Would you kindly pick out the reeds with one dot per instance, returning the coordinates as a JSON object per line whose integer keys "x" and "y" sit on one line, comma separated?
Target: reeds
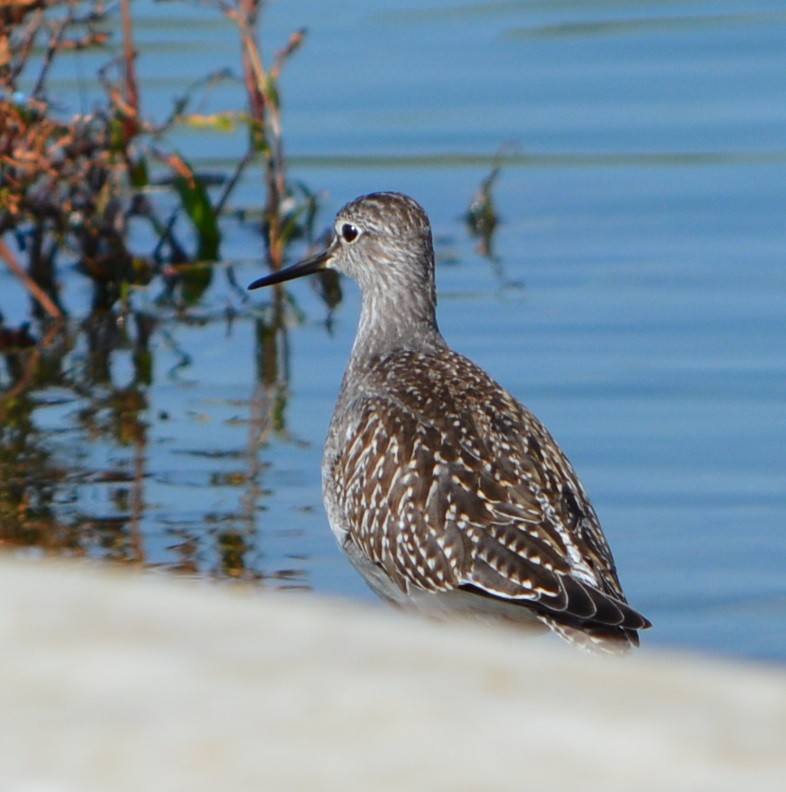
{"x": 69, "y": 186}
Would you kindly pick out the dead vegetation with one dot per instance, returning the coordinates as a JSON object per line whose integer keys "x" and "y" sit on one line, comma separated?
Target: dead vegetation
{"x": 70, "y": 184}
{"x": 73, "y": 181}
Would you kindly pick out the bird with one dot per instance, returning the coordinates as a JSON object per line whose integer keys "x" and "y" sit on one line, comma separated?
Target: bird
{"x": 444, "y": 491}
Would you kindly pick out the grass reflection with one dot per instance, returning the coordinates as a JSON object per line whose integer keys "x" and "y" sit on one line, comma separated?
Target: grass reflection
{"x": 84, "y": 449}
{"x": 81, "y": 449}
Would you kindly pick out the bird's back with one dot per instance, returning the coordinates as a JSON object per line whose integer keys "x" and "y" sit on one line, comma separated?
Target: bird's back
{"x": 437, "y": 481}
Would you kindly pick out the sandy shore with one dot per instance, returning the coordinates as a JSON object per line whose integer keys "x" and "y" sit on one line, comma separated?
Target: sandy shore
{"x": 111, "y": 680}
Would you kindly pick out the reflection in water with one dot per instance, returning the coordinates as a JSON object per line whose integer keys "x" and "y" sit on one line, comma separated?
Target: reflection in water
{"x": 657, "y": 23}
{"x": 481, "y": 217}
{"x": 482, "y": 220}
{"x": 81, "y": 452}
{"x": 82, "y": 459}
{"x": 45, "y": 468}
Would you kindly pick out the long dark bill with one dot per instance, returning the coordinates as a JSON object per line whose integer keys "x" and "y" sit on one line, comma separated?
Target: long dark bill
{"x": 305, "y": 267}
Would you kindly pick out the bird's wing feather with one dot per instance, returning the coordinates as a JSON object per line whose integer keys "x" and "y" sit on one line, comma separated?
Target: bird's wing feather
{"x": 477, "y": 496}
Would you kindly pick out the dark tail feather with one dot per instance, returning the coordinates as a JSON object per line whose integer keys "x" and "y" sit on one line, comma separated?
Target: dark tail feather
{"x": 596, "y": 639}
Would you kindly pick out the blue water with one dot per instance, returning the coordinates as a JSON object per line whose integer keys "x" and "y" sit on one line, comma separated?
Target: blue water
{"x": 636, "y": 302}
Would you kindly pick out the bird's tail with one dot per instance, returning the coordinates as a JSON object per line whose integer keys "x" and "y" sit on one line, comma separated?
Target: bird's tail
{"x": 598, "y": 639}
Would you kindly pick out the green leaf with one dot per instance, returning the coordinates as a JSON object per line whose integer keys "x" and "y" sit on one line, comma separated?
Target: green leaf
{"x": 196, "y": 202}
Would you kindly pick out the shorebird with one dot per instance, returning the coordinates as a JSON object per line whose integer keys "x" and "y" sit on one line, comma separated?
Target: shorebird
{"x": 446, "y": 493}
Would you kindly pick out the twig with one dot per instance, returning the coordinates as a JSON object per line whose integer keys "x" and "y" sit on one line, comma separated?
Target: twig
{"x": 53, "y": 47}
{"x": 131, "y": 124}
{"x": 26, "y": 40}
{"x": 23, "y": 383}
{"x": 230, "y": 185}
{"x": 44, "y": 300}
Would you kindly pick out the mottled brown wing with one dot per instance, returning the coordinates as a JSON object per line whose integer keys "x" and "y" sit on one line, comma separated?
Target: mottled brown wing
{"x": 442, "y": 488}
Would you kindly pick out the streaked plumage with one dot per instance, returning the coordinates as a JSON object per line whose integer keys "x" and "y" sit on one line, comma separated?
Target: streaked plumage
{"x": 444, "y": 491}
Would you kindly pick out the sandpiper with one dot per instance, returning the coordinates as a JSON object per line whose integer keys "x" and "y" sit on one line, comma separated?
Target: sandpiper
{"x": 445, "y": 492}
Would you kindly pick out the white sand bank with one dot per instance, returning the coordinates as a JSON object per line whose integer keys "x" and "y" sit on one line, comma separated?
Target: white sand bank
{"x": 116, "y": 681}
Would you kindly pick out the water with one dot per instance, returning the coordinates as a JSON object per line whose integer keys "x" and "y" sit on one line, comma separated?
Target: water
{"x": 636, "y": 300}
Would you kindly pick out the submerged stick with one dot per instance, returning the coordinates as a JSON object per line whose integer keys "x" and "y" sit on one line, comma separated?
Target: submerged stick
{"x": 44, "y": 300}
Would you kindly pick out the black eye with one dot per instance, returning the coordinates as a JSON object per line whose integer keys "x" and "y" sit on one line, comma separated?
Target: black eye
{"x": 349, "y": 232}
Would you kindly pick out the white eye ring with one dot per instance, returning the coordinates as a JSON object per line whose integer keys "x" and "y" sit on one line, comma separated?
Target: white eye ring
{"x": 348, "y": 232}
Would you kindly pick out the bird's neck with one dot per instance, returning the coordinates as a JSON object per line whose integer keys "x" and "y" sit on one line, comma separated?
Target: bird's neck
{"x": 389, "y": 322}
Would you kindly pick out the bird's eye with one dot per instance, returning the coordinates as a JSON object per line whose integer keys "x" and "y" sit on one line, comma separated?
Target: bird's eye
{"x": 349, "y": 233}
